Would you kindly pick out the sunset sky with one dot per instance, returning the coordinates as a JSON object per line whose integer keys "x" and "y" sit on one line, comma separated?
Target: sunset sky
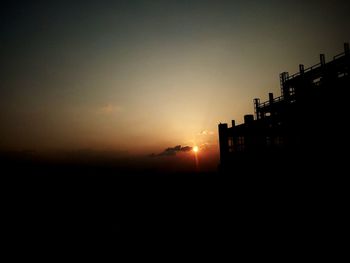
{"x": 142, "y": 76}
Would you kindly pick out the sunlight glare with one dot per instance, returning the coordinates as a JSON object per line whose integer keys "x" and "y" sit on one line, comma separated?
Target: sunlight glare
{"x": 195, "y": 149}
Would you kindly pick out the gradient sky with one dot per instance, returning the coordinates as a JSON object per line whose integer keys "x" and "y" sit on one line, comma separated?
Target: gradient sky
{"x": 140, "y": 76}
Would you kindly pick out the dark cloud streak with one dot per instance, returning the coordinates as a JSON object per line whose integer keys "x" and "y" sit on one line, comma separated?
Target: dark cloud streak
{"x": 171, "y": 151}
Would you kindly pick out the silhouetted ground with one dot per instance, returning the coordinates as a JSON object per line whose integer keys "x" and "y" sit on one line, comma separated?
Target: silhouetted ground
{"x": 245, "y": 206}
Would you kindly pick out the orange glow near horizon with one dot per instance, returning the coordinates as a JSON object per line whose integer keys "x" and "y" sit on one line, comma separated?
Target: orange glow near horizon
{"x": 195, "y": 149}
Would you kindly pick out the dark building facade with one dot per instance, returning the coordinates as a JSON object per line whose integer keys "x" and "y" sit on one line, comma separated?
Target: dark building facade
{"x": 309, "y": 120}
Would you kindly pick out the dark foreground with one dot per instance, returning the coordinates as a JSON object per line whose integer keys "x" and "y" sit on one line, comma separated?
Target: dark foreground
{"x": 243, "y": 206}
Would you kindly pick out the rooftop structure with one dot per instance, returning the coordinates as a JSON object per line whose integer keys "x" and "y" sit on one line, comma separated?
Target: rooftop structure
{"x": 308, "y": 118}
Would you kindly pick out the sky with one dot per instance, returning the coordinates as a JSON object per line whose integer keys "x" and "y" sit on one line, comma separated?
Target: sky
{"x": 142, "y": 76}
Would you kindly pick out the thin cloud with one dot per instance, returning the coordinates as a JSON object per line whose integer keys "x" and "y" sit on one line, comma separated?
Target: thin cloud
{"x": 206, "y": 132}
{"x": 205, "y": 146}
{"x": 109, "y": 109}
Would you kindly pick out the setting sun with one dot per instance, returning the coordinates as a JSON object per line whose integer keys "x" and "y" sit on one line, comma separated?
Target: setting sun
{"x": 195, "y": 149}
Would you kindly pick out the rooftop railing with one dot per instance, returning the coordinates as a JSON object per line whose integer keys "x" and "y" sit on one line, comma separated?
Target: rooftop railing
{"x": 267, "y": 103}
{"x": 318, "y": 65}
{"x": 313, "y": 67}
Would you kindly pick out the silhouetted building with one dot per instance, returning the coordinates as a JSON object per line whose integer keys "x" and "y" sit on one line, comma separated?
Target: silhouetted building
{"x": 309, "y": 119}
